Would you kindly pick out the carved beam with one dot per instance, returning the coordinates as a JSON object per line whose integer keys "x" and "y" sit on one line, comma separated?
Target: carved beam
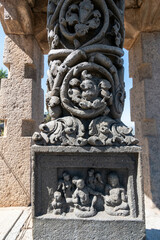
{"x": 141, "y": 19}
{"x": 16, "y": 17}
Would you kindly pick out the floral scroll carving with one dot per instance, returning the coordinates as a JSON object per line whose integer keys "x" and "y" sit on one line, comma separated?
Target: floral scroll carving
{"x": 81, "y": 18}
{"x": 85, "y": 85}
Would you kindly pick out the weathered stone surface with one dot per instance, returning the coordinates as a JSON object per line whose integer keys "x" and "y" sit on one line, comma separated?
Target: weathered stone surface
{"x": 48, "y": 165}
{"x": 144, "y": 18}
{"x": 31, "y": 3}
{"x": 85, "y": 85}
{"x": 51, "y": 229}
{"x": 16, "y": 17}
{"x": 40, "y": 6}
{"x": 139, "y": 16}
{"x": 74, "y": 186}
{"x": 145, "y": 110}
{"x": 133, "y": 3}
{"x": 21, "y": 96}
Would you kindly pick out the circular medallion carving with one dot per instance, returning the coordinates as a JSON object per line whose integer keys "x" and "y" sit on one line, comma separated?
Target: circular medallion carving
{"x": 83, "y": 22}
{"x": 86, "y": 90}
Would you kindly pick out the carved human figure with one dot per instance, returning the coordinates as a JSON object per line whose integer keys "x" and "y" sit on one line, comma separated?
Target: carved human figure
{"x": 84, "y": 199}
{"x": 115, "y": 197}
{"x": 58, "y": 203}
{"x": 94, "y": 180}
{"x": 100, "y": 132}
{"x": 53, "y": 102}
{"x": 91, "y": 179}
{"x": 52, "y": 73}
{"x": 65, "y": 184}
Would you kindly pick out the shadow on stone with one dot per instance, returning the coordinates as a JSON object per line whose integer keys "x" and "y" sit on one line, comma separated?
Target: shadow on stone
{"x": 152, "y": 234}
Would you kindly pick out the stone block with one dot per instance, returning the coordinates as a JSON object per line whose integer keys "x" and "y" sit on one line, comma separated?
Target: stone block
{"x": 50, "y": 164}
{"x": 149, "y": 127}
{"x": 145, "y": 71}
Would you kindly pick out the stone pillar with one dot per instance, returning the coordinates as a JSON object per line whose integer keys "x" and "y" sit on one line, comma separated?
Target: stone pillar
{"x": 21, "y": 107}
{"x": 86, "y": 167}
{"x": 144, "y": 61}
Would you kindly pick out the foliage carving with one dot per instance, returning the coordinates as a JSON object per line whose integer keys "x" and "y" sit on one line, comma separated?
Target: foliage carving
{"x": 85, "y": 77}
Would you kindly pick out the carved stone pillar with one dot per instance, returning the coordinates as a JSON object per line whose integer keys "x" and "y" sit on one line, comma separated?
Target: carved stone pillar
{"x": 145, "y": 110}
{"x": 20, "y": 98}
{"x": 143, "y": 40}
{"x": 87, "y": 167}
{"x": 85, "y": 77}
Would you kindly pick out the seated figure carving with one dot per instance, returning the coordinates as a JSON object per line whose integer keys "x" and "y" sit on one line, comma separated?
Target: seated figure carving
{"x": 58, "y": 204}
{"x": 115, "y": 198}
{"x": 84, "y": 199}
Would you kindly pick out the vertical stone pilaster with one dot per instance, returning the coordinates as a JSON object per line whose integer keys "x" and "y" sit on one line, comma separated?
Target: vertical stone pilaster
{"x": 145, "y": 107}
{"x": 22, "y": 109}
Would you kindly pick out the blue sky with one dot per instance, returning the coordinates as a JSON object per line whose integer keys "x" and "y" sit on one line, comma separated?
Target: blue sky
{"x": 128, "y": 81}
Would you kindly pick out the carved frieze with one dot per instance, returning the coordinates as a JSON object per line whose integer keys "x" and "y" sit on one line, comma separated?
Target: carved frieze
{"x": 86, "y": 197}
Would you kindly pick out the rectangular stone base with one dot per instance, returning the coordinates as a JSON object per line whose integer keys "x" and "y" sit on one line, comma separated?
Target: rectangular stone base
{"x": 82, "y": 229}
{"x": 49, "y": 164}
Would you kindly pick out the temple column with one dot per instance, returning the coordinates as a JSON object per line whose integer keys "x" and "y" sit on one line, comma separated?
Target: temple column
{"x": 142, "y": 39}
{"x": 86, "y": 165}
{"x": 144, "y": 61}
{"x": 21, "y": 108}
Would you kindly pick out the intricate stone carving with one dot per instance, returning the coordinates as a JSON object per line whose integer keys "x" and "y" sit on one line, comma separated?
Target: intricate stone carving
{"x": 94, "y": 180}
{"x": 84, "y": 199}
{"x": 63, "y": 131}
{"x": 102, "y": 131}
{"x": 106, "y": 131}
{"x": 80, "y": 196}
{"x": 58, "y": 204}
{"x": 85, "y": 77}
{"x": 78, "y": 19}
{"x": 115, "y": 197}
